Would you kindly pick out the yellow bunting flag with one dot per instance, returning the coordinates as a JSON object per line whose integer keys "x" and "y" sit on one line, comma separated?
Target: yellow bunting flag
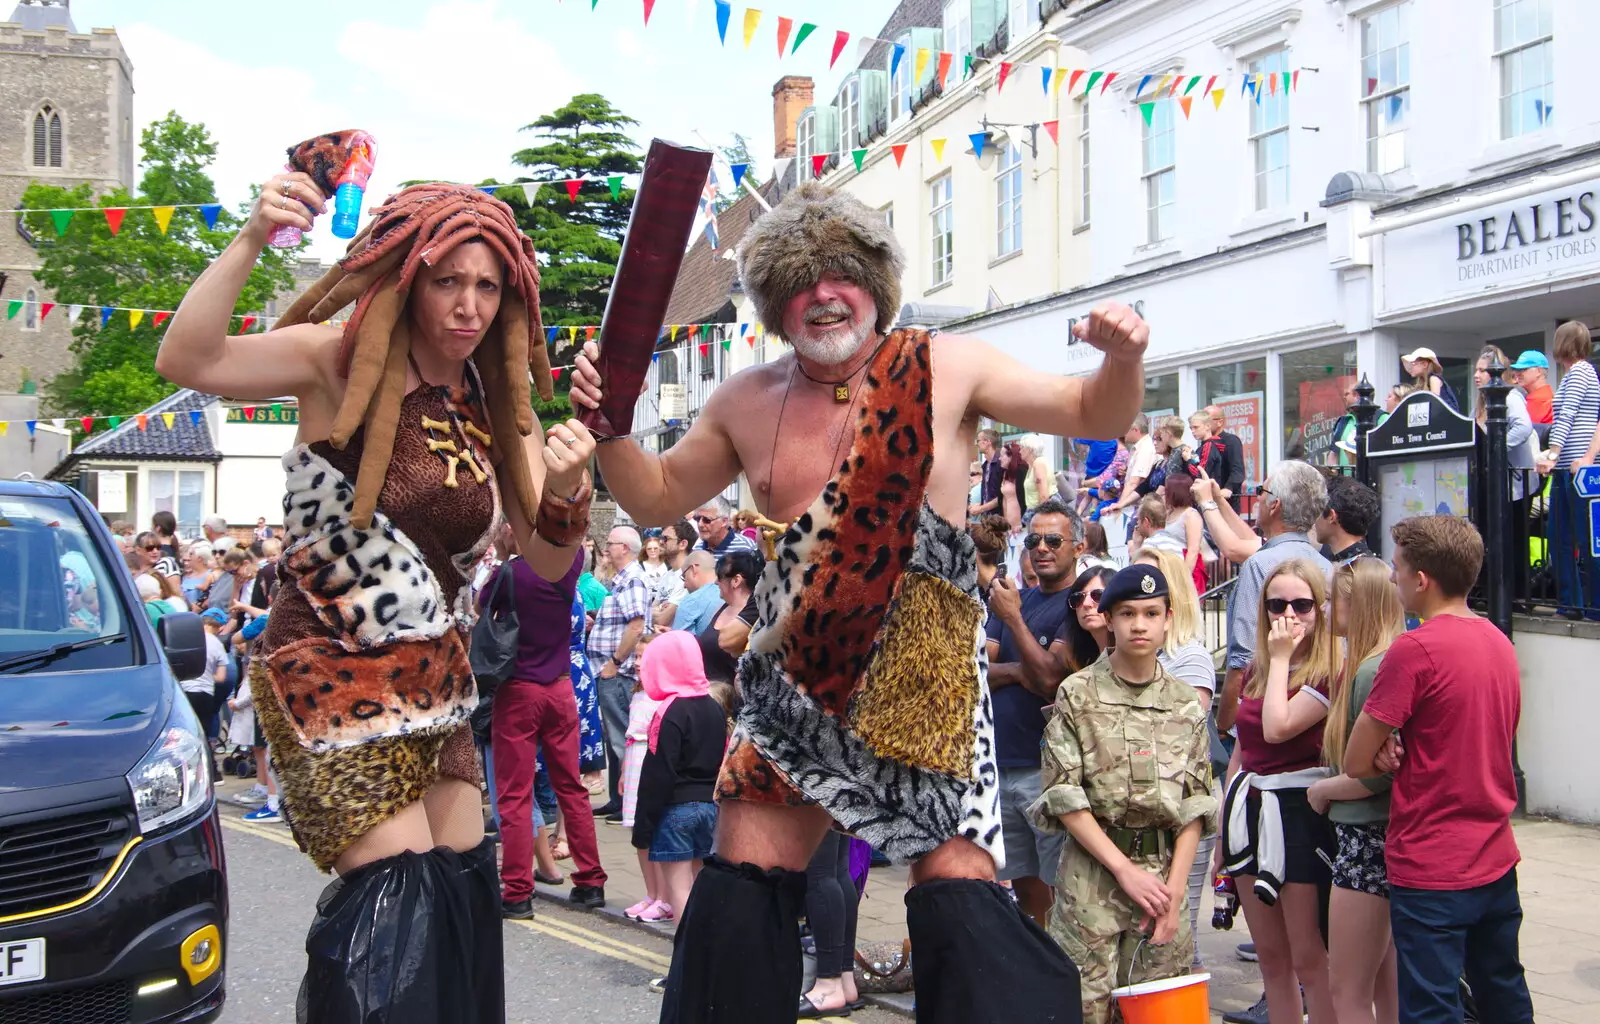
{"x": 922, "y": 63}
{"x": 163, "y": 216}
{"x": 1061, "y": 76}
{"x": 5, "y": 427}
{"x": 167, "y": 418}
{"x": 572, "y": 334}
{"x": 938, "y": 149}
{"x": 672, "y": 333}
{"x": 752, "y": 18}
{"x": 1163, "y": 83}
{"x": 134, "y": 317}
{"x": 1216, "y": 97}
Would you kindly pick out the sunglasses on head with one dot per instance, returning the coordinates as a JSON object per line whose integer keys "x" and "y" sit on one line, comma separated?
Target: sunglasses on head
{"x": 1301, "y": 605}
{"x": 1093, "y": 596}
{"x": 1052, "y": 540}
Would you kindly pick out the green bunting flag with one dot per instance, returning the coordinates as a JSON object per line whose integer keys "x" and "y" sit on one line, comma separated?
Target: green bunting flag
{"x": 805, "y": 30}
{"x": 1148, "y": 110}
{"x": 13, "y": 308}
{"x": 116, "y": 421}
{"x": 858, "y": 155}
{"x": 966, "y": 66}
{"x": 61, "y": 218}
{"x": 726, "y": 344}
{"x": 615, "y": 182}
{"x": 1094, "y": 76}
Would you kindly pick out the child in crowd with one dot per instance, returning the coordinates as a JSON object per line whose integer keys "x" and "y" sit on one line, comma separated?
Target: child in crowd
{"x": 636, "y": 744}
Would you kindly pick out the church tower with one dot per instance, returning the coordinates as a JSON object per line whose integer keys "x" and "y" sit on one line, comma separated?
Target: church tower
{"x": 66, "y": 117}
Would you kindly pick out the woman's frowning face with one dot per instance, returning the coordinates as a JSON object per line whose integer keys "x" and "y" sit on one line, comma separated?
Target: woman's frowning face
{"x": 454, "y": 301}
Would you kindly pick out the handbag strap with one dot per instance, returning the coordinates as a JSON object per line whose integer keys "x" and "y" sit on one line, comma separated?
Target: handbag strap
{"x": 503, "y": 580}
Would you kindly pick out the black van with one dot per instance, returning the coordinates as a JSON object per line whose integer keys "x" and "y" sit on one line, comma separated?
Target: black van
{"x": 113, "y": 890}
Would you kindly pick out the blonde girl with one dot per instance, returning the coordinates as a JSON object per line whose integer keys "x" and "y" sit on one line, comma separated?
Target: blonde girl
{"x": 1281, "y": 885}
{"x": 1361, "y": 958}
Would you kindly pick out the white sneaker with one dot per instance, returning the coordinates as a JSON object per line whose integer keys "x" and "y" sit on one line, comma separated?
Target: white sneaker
{"x": 256, "y": 794}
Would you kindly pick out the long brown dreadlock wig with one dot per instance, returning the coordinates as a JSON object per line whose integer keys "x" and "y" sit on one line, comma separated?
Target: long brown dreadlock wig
{"x": 417, "y": 226}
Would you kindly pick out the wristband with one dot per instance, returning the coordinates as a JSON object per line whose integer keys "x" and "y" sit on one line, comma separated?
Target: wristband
{"x": 563, "y": 522}
{"x": 615, "y": 662}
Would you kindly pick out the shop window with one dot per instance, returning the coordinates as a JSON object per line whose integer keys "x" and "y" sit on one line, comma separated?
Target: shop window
{"x": 1386, "y": 86}
{"x": 1161, "y": 396}
{"x": 182, "y": 493}
{"x": 1083, "y": 163}
{"x": 958, "y": 29}
{"x": 848, "y": 103}
{"x": 1239, "y": 390}
{"x": 1269, "y": 130}
{"x": 1024, "y": 18}
{"x": 805, "y": 139}
{"x": 941, "y": 223}
{"x": 1316, "y": 392}
{"x": 1008, "y": 201}
{"x": 1160, "y": 174}
{"x": 1524, "y": 48}
{"x": 47, "y": 137}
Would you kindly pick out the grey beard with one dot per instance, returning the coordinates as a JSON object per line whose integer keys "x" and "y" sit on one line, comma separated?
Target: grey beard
{"x": 831, "y": 351}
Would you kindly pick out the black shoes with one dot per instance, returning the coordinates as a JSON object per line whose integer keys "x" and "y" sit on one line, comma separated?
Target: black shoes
{"x": 589, "y": 897}
{"x": 1257, "y": 1014}
{"x": 517, "y": 910}
{"x": 608, "y": 809}
{"x": 614, "y": 818}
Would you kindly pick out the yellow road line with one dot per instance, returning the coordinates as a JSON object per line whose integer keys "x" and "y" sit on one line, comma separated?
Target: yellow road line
{"x": 277, "y": 837}
{"x": 587, "y": 935}
{"x": 616, "y": 954}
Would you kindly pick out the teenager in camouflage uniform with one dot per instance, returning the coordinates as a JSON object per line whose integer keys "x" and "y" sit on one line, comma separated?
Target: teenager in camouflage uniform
{"x": 1126, "y": 771}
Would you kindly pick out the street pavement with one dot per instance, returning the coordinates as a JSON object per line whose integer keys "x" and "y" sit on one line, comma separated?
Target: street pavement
{"x": 581, "y": 967}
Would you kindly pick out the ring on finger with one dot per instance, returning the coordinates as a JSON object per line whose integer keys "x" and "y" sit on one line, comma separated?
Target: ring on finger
{"x": 283, "y": 202}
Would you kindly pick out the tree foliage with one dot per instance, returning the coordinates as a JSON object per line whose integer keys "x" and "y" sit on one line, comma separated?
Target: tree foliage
{"x": 736, "y": 153}
{"x": 139, "y": 267}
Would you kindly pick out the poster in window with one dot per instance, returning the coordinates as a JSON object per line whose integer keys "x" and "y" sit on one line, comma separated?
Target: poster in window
{"x": 1321, "y": 405}
{"x": 113, "y": 492}
{"x": 1241, "y": 414}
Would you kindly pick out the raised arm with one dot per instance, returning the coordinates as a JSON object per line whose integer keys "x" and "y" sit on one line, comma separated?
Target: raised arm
{"x": 197, "y": 351}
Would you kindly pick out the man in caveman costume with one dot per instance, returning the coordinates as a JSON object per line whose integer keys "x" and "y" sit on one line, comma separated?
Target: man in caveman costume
{"x": 866, "y": 704}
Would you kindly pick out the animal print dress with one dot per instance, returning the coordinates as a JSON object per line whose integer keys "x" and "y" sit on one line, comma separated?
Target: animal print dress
{"x": 865, "y": 682}
{"x": 365, "y": 652}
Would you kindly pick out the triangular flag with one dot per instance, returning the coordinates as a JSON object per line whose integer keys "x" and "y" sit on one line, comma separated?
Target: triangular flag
{"x": 1061, "y": 78}
{"x": 115, "y": 421}
{"x": 694, "y": 331}
{"x": 1272, "y": 84}
{"x": 1047, "y": 73}
{"x": 1249, "y": 84}
{"x": 1111, "y": 76}
{"x": 59, "y": 423}
{"x": 800, "y": 37}
{"x": 944, "y": 67}
{"x": 938, "y": 149}
{"x": 724, "y": 8}
{"x": 277, "y": 411}
{"x": 744, "y": 329}
{"x": 588, "y": 334}
{"x": 211, "y": 211}
{"x": 555, "y": 373}
{"x": 1209, "y": 83}
{"x": 1148, "y": 110}
{"x": 816, "y": 164}
{"x": 923, "y": 53}
{"x": 61, "y": 218}
{"x": 839, "y": 41}
{"x": 672, "y": 333}
{"x": 1186, "y": 102}
{"x": 530, "y": 191}
{"x": 573, "y": 185}
{"x": 1216, "y": 97}
{"x": 142, "y": 421}
{"x": 1005, "y": 72}
{"x": 898, "y": 52}
{"x": 32, "y": 426}
{"x": 614, "y": 183}
{"x": 738, "y": 173}
{"x": 194, "y": 417}
{"x": 45, "y": 308}
{"x": 249, "y": 322}
{"x": 250, "y": 412}
{"x": 655, "y": 357}
{"x": 785, "y": 26}
{"x": 705, "y": 349}
{"x": 727, "y": 343}
{"x": 1177, "y": 80}
{"x": 1192, "y": 83}
{"x": 487, "y": 189}
{"x": 899, "y": 151}
{"x": 163, "y": 216}
{"x": 1052, "y": 127}
{"x": 135, "y": 316}
{"x": 752, "y": 18}
{"x": 73, "y": 312}
{"x": 572, "y": 335}
{"x": 105, "y": 314}
{"x": 858, "y": 155}
{"x": 1073, "y": 82}
{"x": 1159, "y": 85}
{"x": 550, "y": 335}
{"x": 1142, "y": 83}
{"x": 1287, "y": 77}
{"x": 13, "y": 308}
{"x": 1295, "y": 82}
{"x": 5, "y": 427}
{"x": 649, "y": 5}
{"x": 1257, "y": 87}
{"x": 114, "y": 215}
{"x": 966, "y": 65}
{"x": 978, "y": 139}
{"x": 167, "y": 418}
{"x": 87, "y": 423}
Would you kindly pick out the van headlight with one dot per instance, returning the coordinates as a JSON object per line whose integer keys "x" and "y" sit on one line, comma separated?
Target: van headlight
{"x": 173, "y": 781}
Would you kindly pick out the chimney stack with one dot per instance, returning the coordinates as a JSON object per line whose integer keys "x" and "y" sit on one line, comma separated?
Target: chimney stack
{"x": 790, "y": 96}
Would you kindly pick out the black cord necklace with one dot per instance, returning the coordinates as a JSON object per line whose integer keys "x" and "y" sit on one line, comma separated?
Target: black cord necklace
{"x": 841, "y": 387}
{"x": 844, "y": 427}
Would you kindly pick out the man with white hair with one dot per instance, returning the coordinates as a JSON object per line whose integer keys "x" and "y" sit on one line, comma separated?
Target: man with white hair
{"x": 614, "y": 654}
{"x": 215, "y": 528}
{"x": 717, "y": 534}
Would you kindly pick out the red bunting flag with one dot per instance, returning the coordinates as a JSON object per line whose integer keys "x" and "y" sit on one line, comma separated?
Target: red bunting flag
{"x": 555, "y": 373}
{"x": 588, "y": 334}
{"x": 249, "y": 322}
{"x": 1052, "y": 127}
{"x": 816, "y": 164}
{"x": 573, "y": 185}
{"x": 899, "y": 152}
{"x": 1072, "y": 83}
{"x": 785, "y": 26}
{"x": 161, "y": 318}
{"x": 114, "y": 216}
{"x": 1294, "y": 82}
{"x": 1005, "y": 72}
{"x": 1111, "y": 76}
{"x": 705, "y": 348}
{"x": 250, "y": 413}
{"x": 839, "y": 40}
{"x": 45, "y": 308}
{"x": 143, "y": 421}
{"x": 648, "y": 6}
{"x": 751, "y": 338}
{"x": 87, "y": 423}
{"x": 944, "y": 67}
{"x": 1177, "y": 80}
{"x": 1209, "y": 83}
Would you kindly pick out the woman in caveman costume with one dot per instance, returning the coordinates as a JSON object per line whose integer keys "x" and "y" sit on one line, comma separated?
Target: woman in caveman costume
{"x": 416, "y": 439}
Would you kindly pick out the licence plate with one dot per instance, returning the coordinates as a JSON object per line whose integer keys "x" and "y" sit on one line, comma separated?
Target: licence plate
{"x": 21, "y": 960}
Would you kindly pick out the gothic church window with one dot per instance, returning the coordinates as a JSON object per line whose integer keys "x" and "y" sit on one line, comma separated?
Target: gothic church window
{"x": 47, "y": 137}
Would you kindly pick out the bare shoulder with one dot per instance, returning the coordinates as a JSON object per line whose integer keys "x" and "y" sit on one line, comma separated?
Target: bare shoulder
{"x": 746, "y": 390}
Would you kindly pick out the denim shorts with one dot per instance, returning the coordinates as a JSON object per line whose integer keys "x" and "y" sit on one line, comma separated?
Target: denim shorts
{"x": 685, "y": 832}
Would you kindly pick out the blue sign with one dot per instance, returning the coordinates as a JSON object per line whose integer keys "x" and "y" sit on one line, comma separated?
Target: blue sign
{"x": 1587, "y": 481}
{"x": 1594, "y": 529}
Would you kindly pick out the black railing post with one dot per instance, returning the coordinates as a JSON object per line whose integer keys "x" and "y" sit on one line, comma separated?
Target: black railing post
{"x": 1365, "y": 412}
{"x": 1497, "y": 500}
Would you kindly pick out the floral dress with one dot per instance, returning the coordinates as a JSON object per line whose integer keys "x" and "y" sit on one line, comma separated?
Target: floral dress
{"x": 591, "y": 738}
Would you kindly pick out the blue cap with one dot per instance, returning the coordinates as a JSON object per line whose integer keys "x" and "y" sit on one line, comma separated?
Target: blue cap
{"x": 1529, "y": 359}
{"x": 216, "y": 615}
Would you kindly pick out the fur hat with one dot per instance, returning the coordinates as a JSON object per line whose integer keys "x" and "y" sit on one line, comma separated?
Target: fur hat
{"x": 815, "y": 230}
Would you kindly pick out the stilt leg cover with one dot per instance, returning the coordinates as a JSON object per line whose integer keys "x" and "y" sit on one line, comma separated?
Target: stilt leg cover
{"x": 979, "y": 959}
{"x": 395, "y": 942}
{"x": 736, "y": 957}
{"x": 479, "y": 879}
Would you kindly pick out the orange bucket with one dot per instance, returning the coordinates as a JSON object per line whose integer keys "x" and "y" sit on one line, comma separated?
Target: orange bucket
{"x": 1185, "y": 999}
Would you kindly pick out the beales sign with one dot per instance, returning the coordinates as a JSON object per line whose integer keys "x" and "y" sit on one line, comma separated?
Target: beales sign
{"x": 1548, "y": 236}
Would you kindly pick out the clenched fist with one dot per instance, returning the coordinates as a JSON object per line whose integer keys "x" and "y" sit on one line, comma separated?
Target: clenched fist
{"x": 1116, "y": 330}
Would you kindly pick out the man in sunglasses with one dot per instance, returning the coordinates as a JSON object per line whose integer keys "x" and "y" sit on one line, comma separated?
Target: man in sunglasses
{"x": 1023, "y": 676}
{"x": 717, "y": 534}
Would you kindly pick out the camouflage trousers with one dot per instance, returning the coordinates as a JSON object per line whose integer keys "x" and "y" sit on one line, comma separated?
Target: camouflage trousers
{"x": 1097, "y": 925}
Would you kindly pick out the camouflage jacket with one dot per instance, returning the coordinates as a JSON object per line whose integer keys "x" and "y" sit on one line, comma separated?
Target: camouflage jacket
{"x": 1136, "y": 756}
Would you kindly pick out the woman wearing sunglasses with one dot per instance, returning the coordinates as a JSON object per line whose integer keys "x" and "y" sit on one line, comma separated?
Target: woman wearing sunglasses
{"x": 1277, "y": 847}
{"x": 1085, "y": 633}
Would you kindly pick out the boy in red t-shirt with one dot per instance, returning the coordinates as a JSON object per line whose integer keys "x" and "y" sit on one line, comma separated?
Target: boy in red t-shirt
{"x": 1452, "y": 688}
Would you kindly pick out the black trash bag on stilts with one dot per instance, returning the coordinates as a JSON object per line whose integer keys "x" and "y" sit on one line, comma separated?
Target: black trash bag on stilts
{"x": 980, "y": 960}
{"x": 406, "y": 940}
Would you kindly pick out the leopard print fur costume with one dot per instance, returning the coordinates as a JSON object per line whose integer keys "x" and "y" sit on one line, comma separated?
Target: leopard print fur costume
{"x": 865, "y": 681}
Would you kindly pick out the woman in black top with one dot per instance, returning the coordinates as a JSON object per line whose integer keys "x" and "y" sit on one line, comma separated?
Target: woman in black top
{"x": 725, "y": 638}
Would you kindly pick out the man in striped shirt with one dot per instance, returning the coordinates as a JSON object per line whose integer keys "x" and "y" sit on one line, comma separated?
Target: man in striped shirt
{"x": 1574, "y": 442}
{"x": 717, "y": 534}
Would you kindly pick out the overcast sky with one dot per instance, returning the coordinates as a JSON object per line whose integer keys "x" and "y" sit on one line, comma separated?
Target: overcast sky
{"x": 444, "y": 85}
